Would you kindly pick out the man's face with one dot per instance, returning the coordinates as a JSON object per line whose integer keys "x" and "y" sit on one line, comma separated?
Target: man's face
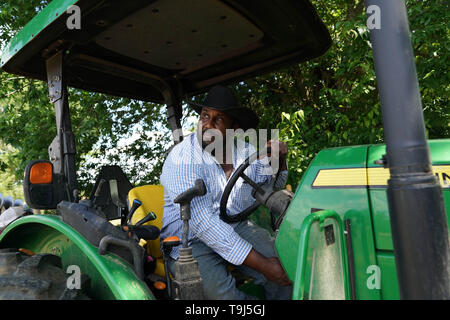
{"x": 218, "y": 121}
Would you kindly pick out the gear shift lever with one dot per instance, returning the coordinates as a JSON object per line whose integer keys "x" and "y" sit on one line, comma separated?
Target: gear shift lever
{"x": 184, "y": 199}
{"x": 188, "y": 283}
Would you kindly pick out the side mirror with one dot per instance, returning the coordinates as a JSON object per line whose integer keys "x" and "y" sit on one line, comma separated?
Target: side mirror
{"x": 42, "y": 188}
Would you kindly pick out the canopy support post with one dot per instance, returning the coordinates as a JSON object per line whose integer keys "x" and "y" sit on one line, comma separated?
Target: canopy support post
{"x": 174, "y": 111}
{"x": 62, "y": 150}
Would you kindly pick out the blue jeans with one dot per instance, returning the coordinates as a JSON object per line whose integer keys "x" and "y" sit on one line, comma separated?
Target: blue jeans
{"x": 218, "y": 282}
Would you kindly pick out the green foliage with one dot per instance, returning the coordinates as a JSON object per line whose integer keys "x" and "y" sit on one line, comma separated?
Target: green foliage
{"x": 327, "y": 102}
{"x": 9, "y": 186}
{"x": 14, "y": 14}
{"x": 430, "y": 35}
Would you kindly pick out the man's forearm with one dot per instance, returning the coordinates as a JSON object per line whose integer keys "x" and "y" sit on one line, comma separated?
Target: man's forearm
{"x": 269, "y": 267}
{"x": 256, "y": 261}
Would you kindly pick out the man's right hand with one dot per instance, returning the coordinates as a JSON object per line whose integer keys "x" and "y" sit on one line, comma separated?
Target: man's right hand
{"x": 270, "y": 267}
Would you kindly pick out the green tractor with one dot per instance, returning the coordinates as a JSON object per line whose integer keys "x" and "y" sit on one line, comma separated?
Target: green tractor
{"x": 366, "y": 222}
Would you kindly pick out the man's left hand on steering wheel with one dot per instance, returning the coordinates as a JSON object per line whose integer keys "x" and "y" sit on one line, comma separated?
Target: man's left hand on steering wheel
{"x": 279, "y": 150}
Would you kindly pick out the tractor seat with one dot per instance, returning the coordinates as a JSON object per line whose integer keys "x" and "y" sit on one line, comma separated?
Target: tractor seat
{"x": 152, "y": 198}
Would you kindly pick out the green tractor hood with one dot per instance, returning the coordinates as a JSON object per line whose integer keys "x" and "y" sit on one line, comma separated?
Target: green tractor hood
{"x": 133, "y": 48}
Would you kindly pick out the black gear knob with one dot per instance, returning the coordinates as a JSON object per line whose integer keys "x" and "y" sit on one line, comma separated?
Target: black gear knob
{"x": 185, "y": 198}
{"x": 199, "y": 189}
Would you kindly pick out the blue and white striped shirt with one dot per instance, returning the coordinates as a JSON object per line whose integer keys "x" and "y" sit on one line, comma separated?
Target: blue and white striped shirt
{"x": 188, "y": 162}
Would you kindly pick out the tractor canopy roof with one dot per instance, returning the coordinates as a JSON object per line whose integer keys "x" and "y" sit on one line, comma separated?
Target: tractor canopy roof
{"x": 133, "y": 48}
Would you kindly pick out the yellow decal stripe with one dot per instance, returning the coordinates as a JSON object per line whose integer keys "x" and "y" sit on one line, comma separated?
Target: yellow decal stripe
{"x": 443, "y": 174}
{"x": 362, "y": 177}
{"x": 341, "y": 177}
{"x": 378, "y": 176}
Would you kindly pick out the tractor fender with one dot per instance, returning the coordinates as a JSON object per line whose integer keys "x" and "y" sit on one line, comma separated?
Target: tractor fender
{"x": 111, "y": 277}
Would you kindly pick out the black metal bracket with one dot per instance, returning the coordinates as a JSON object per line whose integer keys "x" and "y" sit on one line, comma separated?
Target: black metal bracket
{"x": 383, "y": 161}
{"x": 174, "y": 115}
{"x": 175, "y": 111}
{"x": 351, "y": 259}
{"x": 62, "y": 150}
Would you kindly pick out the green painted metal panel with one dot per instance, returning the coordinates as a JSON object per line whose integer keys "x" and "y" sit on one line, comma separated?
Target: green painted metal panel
{"x": 381, "y": 220}
{"x": 388, "y": 273}
{"x": 349, "y": 203}
{"x": 25, "y": 36}
{"x": 440, "y": 155}
{"x": 111, "y": 277}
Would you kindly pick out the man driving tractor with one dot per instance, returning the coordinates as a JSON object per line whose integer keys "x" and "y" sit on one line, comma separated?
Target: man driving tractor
{"x": 215, "y": 243}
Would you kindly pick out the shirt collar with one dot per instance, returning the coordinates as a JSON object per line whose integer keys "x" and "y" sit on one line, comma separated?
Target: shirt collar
{"x": 204, "y": 155}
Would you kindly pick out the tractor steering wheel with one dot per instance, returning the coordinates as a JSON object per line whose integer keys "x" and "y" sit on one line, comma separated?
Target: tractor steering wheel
{"x": 239, "y": 173}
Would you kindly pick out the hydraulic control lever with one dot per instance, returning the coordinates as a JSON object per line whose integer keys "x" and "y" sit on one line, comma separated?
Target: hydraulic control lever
{"x": 136, "y": 204}
{"x": 149, "y": 217}
{"x": 139, "y": 231}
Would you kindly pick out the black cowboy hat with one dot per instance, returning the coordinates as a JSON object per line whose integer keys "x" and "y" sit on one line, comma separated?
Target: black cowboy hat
{"x": 222, "y": 98}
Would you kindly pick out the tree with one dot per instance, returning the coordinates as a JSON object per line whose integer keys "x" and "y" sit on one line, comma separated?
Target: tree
{"x": 9, "y": 186}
